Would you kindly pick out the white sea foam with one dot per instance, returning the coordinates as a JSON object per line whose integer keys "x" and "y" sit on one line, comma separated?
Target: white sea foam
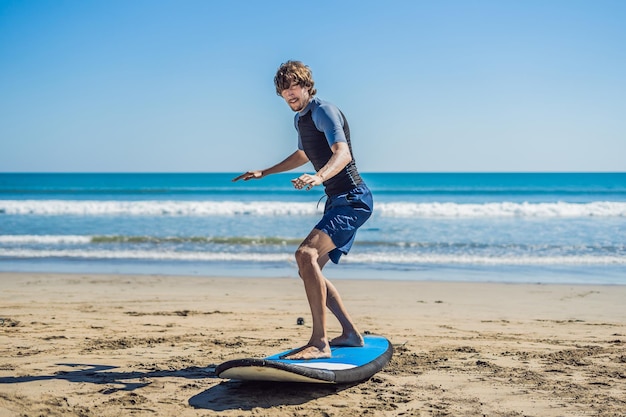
{"x": 469, "y": 259}
{"x": 380, "y": 258}
{"x": 45, "y": 239}
{"x": 154, "y": 208}
{"x": 281, "y": 208}
{"x": 147, "y": 255}
{"x": 504, "y": 209}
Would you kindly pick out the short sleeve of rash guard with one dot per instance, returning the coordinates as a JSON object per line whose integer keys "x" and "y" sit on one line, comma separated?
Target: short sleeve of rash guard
{"x": 328, "y": 119}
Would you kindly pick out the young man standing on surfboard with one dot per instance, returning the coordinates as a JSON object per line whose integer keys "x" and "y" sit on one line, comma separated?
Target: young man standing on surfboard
{"x": 324, "y": 140}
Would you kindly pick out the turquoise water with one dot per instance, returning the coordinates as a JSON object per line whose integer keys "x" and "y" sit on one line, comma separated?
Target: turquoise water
{"x": 471, "y": 227}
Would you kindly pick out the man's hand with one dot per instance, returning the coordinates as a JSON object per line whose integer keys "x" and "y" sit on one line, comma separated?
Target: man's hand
{"x": 307, "y": 181}
{"x": 250, "y": 175}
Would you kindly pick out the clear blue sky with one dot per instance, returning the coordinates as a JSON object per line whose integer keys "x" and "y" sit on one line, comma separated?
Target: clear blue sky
{"x": 427, "y": 86}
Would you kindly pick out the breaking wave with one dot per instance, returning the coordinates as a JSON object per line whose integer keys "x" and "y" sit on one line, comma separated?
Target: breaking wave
{"x": 365, "y": 258}
{"x": 279, "y": 208}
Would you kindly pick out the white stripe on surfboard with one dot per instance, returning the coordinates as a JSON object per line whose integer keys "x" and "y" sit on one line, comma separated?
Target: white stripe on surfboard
{"x": 325, "y": 365}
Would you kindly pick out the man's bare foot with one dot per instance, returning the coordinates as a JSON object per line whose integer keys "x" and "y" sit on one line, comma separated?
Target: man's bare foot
{"x": 350, "y": 339}
{"x": 308, "y": 352}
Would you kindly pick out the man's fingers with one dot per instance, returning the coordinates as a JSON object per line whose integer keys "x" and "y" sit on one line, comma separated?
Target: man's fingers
{"x": 305, "y": 180}
{"x": 249, "y": 175}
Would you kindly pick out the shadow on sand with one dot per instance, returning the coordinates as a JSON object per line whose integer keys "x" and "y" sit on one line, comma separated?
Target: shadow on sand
{"x": 227, "y": 395}
{"x": 239, "y": 395}
{"x": 100, "y": 374}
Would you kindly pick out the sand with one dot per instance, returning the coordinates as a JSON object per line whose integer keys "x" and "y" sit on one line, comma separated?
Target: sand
{"x": 112, "y": 345}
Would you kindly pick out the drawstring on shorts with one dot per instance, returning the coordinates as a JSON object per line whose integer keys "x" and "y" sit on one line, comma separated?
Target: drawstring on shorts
{"x": 319, "y": 201}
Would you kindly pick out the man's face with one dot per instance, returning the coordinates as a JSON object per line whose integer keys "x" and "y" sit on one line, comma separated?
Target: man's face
{"x": 296, "y": 96}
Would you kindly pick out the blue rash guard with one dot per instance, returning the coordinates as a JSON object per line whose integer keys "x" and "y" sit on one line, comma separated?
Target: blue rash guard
{"x": 350, "y": 203}
{"x": 320, "y": 125}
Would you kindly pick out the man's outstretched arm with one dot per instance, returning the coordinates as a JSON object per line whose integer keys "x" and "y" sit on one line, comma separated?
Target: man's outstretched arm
{"x": 296, "y": 159}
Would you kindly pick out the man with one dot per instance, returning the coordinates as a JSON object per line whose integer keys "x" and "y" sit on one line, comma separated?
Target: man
{"x": 324, "y": 140}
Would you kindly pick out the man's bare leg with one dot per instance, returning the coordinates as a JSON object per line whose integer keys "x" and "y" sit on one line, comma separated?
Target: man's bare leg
{"x": 350, "y": 335}
{"x": 307, "y": 256}
{"x": 311, "y": 257}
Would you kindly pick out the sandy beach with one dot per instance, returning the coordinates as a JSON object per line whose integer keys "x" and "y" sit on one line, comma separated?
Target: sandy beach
{"x": 113, "y": 345}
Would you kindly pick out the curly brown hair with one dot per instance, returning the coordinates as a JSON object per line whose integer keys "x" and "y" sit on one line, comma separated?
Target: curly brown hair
{"x": 294, "y": 71}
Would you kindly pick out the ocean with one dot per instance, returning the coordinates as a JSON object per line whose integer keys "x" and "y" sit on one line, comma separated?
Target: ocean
{"x": 514, "y": 227}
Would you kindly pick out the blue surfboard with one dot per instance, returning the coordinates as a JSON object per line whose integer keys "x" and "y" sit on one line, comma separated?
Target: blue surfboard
{"x": 346, "y": 365}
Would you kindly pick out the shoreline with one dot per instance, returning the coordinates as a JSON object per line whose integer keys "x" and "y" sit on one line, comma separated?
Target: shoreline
{"x": 342, "y": 276}
{"x": 107, "y": 344}
{"x": 505, "y": 274}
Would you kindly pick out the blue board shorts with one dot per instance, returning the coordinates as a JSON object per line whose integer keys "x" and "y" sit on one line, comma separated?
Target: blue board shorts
{"x": 343, "y": 215}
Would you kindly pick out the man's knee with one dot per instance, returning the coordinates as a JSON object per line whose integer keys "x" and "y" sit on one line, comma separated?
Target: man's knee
{"x": 306, "y": 256}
